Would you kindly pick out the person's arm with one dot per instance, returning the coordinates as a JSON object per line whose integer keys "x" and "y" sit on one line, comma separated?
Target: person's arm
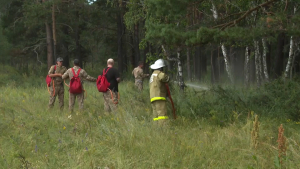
{"x": 55, "y": 75}
{"x": 65, "y": 75}
{"x": 117, "y": 75}
{"x": 88, "y": 77}
{"x": 52, "y": 74}
{"x": 163, "y": 77}
{"x": 142, "y": 74}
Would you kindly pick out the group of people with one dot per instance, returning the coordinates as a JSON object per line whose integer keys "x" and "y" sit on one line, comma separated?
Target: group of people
{"x": 59, "y": 73}
{"x": 157, "y": 81}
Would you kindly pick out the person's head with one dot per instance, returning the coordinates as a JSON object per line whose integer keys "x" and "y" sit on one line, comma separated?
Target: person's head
{"x": 110, "y": 62}
{"x": 59, "y": 61}
{"x": 76, "y": 62}
{"x": 141, "y": 64}
{"x": 158, "y": 65}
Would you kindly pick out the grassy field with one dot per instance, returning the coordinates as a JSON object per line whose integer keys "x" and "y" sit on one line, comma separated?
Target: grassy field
{"x": 33, "y": 137}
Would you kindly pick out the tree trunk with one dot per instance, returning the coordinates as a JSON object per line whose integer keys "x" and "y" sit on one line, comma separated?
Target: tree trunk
{"x": 54, "y": 32}
{"x": 49, "y": 45}
{"x": 280, "y": 55}
{"x": 292, "y": 66}
{"x": 194, "y": 66}
{"x": 227, "y": 64}
{"x": 224, "y": 51}
{"x": 221, "y": 64}
{"x": 136, "y": 44}
{"x": 188, "y": 64}
{"x": 291, "y": 53}
{"x": 203, "y": 65}
{"x": 268, "y": 58}
{"x": 65, "y": 45}
{"x": 264, "y": 58}
{"x": 197, "y": 64}
{"x": 132, "y": 56}
{"x": 179, "y": 66}
{"x": 257, "y": 63}
{"x": 78, "y": 53}
{"x": 214, "y": 66}
{"x": 120, "y": 44}
{"x": 180, "y": 74}
{"x": 247, "y": 67}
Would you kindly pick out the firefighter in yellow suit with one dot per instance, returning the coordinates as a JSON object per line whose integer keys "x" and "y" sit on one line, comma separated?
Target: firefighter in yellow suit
{"x": 158, "y": 92}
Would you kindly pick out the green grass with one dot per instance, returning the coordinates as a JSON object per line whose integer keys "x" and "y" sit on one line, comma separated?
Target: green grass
{"x": 33, "y": 137}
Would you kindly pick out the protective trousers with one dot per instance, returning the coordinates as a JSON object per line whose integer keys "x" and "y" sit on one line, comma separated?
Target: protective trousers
{"x": 59, "y": 91}
{"x": 110, "y": 101}
{"x": 72, "y": 98}
{"x": 160, "y": 111}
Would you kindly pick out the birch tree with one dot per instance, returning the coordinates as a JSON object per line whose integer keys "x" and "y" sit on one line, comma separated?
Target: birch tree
{"x": 223, "y": 48}
{"x": 179, "y": 65}
{"x": 257, "y": 63}
{"x": 264, "y": 56}
{"x": 291, "y": 54}
{"x": 247, "y": 66}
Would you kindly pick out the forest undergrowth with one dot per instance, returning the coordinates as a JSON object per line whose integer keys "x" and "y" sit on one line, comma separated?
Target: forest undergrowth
{"x": 223, "y": 127}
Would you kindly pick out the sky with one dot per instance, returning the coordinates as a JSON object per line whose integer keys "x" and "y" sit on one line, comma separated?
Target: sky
{"x": 92, "y": 1}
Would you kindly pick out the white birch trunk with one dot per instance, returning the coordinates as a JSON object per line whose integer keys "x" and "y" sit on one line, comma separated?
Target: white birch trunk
{"x": 257, "y": 63}
{"x": 264, "y": 56}
{"x": 291, "y": 52}
{"x": 224, "y": 51}
{"x": 297, "y": 49}
{"x": 227, "y": 64}
{"x": 180, "y": 77}
{"x": 179, "y": 65}
{"x": 247, "y": 66}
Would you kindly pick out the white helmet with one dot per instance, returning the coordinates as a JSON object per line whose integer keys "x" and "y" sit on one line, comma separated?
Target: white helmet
{"x": 158, "y": 64}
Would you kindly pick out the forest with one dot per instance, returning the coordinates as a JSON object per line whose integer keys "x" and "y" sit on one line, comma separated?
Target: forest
{"x": 216, "y": 41}
{"x": 235, "y": 83}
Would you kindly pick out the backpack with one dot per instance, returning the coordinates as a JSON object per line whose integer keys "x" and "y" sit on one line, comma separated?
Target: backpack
{"x": 48, "y": 78}
{"x": 102, "y": 83}
{"x": 75, "y": 83}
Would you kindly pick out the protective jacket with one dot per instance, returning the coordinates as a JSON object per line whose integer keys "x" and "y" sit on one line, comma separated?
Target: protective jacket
{"x": 158, "y": 89}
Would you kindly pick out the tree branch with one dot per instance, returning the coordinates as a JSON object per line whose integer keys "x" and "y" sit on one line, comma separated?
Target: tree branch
{"x": 234, "y": 22}
{"x": 167, "y": 54}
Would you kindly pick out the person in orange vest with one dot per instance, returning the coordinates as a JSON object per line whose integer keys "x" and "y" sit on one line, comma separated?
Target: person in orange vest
{"x": 158, "y": 92}
{"x": 139, "y": 76}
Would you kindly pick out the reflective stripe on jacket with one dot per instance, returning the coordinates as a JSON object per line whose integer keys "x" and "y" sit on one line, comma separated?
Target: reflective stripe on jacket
{"x": 161, "y": 118}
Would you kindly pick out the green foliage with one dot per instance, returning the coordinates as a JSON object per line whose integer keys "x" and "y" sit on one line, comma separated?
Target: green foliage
{"x": 5, "y": 48}
{"x": 224, "y": 105}
{"x": 135, "y": 13}
{"x": 34, "y": 137}
{"x": 8, "y": 75}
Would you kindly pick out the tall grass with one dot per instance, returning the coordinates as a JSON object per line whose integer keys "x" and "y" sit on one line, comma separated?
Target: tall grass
{"x": 210, "y": 132}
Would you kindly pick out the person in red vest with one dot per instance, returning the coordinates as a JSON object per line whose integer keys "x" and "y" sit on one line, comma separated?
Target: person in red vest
{"x": 83, "y": 76}
{"x": 56, "y": 86}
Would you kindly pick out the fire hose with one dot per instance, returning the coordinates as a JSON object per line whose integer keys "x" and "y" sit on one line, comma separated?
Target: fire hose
{"x": 169, "y": 94}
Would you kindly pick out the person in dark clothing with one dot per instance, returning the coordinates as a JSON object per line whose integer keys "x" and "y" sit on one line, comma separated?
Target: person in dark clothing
{"x": 111, "y": 96}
